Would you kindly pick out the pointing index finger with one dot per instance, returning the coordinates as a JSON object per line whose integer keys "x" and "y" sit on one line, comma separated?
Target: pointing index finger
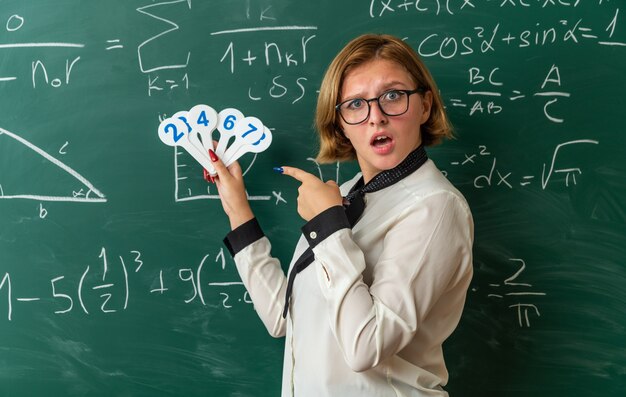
{"x": 297, "y": 173}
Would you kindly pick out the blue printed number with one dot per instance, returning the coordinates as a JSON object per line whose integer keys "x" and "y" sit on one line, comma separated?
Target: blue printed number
{"x": 202, "y": 119}
{"x": 184, "y": 120}
{"x": 229, "y": 122}
{"x": 259, "y": 141}
{"x": 250, "y": 131}
{"x": 172, "y": 128}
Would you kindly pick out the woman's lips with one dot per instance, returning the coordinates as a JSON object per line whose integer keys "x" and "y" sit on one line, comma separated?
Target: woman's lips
{"x": 382, "y": 144}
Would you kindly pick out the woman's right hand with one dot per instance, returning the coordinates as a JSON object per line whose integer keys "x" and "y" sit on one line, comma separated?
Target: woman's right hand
{"x": 232, "y": 192}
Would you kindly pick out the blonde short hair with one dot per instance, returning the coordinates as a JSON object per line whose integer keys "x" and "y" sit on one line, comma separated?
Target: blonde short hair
{"x": 334, "y": 146}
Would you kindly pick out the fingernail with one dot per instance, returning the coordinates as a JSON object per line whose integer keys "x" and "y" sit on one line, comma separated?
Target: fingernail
{"x": 206, "y": 175}
{"x": 279, "y": 170}
{"x": 212, "y": 155}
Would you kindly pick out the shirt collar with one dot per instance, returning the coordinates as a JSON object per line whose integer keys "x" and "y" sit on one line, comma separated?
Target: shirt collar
{"x": 386, "y": 178}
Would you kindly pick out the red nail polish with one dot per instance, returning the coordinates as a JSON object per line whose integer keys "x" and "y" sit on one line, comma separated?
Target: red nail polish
{"x": 206, "y": 175}
{"x": 212, "y": 155}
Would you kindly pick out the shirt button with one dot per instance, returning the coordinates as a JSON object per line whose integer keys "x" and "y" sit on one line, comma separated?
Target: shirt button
{"x": 313, "y": 235}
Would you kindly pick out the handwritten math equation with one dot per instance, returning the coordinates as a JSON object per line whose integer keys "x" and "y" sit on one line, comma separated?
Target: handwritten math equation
{"x": 286, "y": 48}
{"x": 498, "y": 37}
{"x": 283, "y": 48}
{"x": 380, "y": 8}
{"x": 108, "y": 287}
{"x": 486, "y": 39}
{"x": 518, "y": 296}
{"x": 486, "y": 95}
{"x": 489, "y": 40}
{"x": 498, "y": 175}
{"x": 164, "y": 74}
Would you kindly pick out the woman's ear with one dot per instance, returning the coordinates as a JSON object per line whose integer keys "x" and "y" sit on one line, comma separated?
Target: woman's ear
{"x": 427, "y": 104}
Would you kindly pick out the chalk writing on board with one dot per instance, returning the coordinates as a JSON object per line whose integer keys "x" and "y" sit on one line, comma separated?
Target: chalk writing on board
{"x": 497, "y": 175}
{"x": 87, "y": 193}
{"x": 278, "y": 48}
{"x": 490, "y": 39}
{"x": 270, "y": 53}
{"x": 108, "y": 286}
{"x": 319, "y": 170}
{"x": 172, "y": 28}
{"x": 39, "y": 70}
{"x": 487, "y": 89}
{"x": 520, "y": 294}
{"x": 487, "y": 39}
{"x": 114, "y": 44}
{"x": 378, "y": 8}
{"x": 14, "y": 22}
{"x": 157, "y": 66}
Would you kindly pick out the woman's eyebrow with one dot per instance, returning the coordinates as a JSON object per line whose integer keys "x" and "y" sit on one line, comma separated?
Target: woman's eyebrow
{"x": 383, "y": 88}
{"x": 392, "y": 84}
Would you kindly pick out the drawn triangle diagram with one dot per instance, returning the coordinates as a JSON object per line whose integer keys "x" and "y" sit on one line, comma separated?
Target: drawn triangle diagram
{"x": 28, "y": 172}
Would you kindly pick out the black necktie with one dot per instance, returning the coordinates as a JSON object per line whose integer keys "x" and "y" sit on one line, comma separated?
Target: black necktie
{"x": 354, "y": 204}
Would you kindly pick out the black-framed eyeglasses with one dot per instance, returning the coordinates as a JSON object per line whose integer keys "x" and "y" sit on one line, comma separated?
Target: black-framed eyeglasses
{"x": 391, "y": 102}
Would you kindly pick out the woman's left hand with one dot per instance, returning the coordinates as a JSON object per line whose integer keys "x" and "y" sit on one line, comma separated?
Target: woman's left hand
{"x": 314, "y": 196}
{"x": 232, "y": 191}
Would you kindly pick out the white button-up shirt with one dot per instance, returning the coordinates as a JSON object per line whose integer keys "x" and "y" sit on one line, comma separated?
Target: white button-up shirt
{"x": 368, "y": 317}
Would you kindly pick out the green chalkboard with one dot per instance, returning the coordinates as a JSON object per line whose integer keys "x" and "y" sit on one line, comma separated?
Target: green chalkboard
{"x": 113, "y": 277}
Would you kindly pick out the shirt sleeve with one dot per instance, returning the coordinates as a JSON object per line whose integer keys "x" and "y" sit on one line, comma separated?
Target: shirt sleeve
{"x": 424, "y": 249}
{"x": 325, "y": 224}
{"x": 261, "y": 274}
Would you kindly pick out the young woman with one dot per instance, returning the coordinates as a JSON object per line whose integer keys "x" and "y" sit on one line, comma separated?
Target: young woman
{"x": 379, "y": 277}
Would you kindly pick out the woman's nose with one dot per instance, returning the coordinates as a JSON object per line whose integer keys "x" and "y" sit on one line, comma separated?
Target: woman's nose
{"x": 377, "y": 116}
